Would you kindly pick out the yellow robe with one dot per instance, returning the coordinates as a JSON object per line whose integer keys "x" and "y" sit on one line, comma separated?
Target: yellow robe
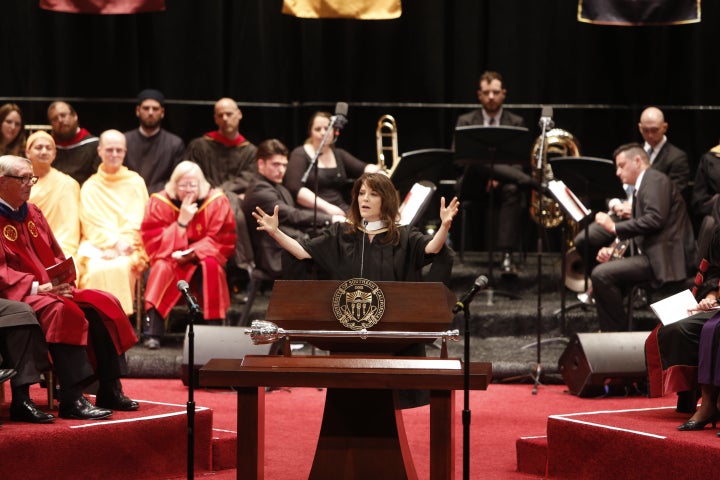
{"x": 111, "y": 209}
{"x": 58, "y": 196}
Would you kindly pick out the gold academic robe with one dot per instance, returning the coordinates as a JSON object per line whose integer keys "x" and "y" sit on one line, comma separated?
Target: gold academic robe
{"x": 111, "y": 209}
{"x": 58, "y": 196}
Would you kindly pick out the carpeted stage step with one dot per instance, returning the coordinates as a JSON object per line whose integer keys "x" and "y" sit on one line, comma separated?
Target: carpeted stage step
{"x": 633, "y": 443}
{"x": 532, "y": 455}
{"x": 148, "y": 443}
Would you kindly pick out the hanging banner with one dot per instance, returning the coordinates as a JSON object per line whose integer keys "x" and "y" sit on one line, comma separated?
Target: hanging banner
{"x": 639, "y": 12}
{"x": 103, "y": 7}
{"x": 357, "y": 9}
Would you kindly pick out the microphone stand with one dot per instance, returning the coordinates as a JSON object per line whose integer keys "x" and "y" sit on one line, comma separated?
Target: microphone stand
{"x": 313, "y": 163}
{"x": 195, "y": 313}
{"x": 545, "y": 123}
{"x": 466, "y": 414}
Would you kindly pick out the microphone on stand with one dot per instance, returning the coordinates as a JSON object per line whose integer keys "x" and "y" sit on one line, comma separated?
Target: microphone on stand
{"x": 339, "y": 120}
{"x": 481, "y": 283}
{"x": 546, "y": 118}
{"x": 184, "y": 288}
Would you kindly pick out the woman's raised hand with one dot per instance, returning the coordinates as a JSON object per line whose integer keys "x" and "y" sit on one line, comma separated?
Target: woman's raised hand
{"x": 268, "y": 223}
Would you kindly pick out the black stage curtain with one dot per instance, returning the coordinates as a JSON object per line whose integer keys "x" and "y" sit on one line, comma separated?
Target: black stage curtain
{"x": 421, "y": 68}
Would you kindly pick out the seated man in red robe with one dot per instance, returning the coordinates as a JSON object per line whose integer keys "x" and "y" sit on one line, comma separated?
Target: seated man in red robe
{"x": 189, "y": 234}
{"x": 73, "y": 320}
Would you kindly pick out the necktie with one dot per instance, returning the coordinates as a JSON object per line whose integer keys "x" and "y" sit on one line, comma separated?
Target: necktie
{"x": 491, "y": 121}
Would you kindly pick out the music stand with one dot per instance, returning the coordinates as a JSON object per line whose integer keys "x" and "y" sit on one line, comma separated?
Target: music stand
{"x": 490, "y": 148}
{"x": 432, "y": 164}
{"x": 594, "y": 180}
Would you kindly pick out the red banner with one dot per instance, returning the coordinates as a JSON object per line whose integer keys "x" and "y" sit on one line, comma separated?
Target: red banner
{"x": 357, "y": 9}
{"x": 103, "y": 7}
{"x": 639, "y": 12}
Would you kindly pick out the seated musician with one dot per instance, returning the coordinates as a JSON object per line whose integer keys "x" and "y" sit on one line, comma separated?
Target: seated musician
{"x": 664, "y": 157}
{"x": 189, "y": 234}
{"x": 112, "y": 204}
{"x": 56, "y": 193}
{"x": 661, "y": 230}
{"x": 334, "y": 167}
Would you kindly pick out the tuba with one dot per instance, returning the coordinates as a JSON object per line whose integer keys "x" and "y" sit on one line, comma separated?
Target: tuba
{"x": 387, "y": 141}
{"x": 558, "y": 143}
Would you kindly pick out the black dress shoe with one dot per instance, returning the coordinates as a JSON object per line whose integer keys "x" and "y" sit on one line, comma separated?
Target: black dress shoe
{"x": 115, "y": 400}
{"x": 82, "y": 409}
{"x": 6, "y": 374}
{"x": 27, "y": 411}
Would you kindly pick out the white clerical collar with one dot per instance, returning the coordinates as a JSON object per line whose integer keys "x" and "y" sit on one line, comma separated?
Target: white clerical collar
{"x": 378, "y": 226}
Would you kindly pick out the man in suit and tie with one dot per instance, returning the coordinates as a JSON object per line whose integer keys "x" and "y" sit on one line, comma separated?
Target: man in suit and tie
{"x": 506, "y": 178}
{"x": 660, "y": 228}
{"x": 664, "y": 157}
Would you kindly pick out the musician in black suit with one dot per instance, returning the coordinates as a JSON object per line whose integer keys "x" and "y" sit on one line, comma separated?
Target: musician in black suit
{"x": 664, "y": 157}
{"x": 506, "y": 178}
{"x": 660, "y": 228}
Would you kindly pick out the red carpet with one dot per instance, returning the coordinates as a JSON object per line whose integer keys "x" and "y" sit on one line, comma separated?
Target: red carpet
{"x": 500, "y": 416}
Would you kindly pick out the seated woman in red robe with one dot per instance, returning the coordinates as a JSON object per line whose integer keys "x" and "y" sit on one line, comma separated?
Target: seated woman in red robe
{"x": 189, "y": 234}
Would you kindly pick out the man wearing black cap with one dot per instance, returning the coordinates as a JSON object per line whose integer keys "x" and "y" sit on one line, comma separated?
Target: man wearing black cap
{"x": 152, "y": 151}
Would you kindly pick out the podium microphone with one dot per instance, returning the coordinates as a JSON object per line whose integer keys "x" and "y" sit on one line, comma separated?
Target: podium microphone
{"x": 184, "y": 288}
{"x": 481, "y": 283}
{"x": 546, "y": 118}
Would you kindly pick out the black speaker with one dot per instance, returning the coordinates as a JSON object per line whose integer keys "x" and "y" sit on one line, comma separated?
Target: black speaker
{"x": 595, "y": 364}
{"x": 218, "y": 342}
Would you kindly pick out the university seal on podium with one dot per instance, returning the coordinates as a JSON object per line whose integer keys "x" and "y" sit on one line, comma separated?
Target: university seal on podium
{"x": 358, "y": 303}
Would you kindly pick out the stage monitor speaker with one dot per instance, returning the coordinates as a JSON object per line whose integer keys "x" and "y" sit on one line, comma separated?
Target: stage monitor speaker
{"x": 218, "y": 342}
{"x": 596, "y": 364}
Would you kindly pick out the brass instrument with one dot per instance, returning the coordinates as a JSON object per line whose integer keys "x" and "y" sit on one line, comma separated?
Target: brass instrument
{"x": 386, "y": 140}
{"x": 558, "y": 143}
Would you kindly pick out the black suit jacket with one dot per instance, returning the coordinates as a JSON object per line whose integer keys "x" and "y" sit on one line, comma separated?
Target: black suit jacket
{"x": 673, "y": 162}
{"x": 293, "y": 221}
{"x": 661, "y": 228}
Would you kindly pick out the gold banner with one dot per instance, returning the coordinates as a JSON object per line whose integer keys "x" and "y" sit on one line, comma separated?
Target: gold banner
{"x": 357, "y": 9}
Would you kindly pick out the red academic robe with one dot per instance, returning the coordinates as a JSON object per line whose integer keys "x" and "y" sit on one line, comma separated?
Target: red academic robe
{"x": 28, "y": 248}
{"x": 210, "y": 234}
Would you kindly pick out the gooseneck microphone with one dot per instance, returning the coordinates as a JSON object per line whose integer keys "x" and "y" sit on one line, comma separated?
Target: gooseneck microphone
{"x": 184, "y": 288}
{"x": 481, "y": 283}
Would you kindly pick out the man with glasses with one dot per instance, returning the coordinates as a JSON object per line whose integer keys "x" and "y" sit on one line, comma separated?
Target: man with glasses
{"x": 74, "y": 320}
{"x": 189, "y": 234}
{"x": 112, "y": 205}
{"x": 267, "y": 191}
{"x": 76, "y": 147}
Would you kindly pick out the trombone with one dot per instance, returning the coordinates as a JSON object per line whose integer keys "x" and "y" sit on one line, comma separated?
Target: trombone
{"x": 386, "y": 141}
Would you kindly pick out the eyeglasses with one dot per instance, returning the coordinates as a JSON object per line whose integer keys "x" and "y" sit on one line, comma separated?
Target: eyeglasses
{"x": 28, "y": 180}
{"x": 187, "y": 186}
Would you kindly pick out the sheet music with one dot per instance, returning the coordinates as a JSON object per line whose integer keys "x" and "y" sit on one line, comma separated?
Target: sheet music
{"x": 676, "y": 307}
{"x": 412, "y": 203}
{"x": 570, "y": 202}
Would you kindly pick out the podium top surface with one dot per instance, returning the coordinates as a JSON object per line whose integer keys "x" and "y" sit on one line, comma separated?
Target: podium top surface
{"x": 498, "y": 144}
{"x": 340, "y": 372}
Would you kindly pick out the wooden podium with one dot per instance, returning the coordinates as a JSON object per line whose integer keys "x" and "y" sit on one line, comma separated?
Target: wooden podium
{"x": 362, "y": 434}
